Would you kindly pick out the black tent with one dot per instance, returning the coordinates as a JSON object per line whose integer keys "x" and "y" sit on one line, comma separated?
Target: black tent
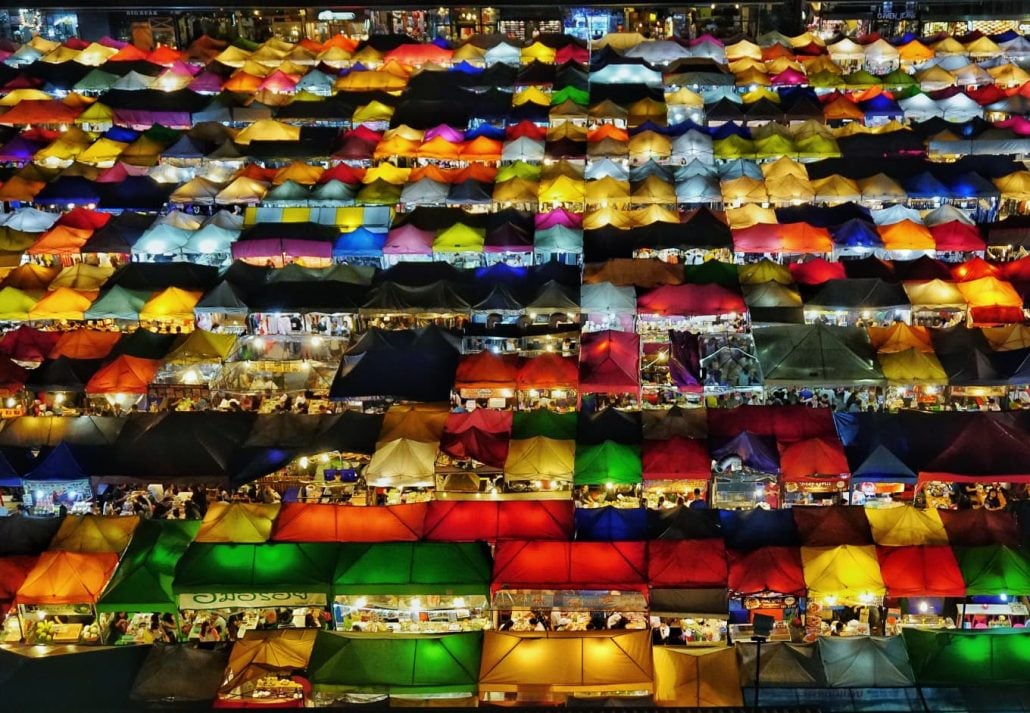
{"x": 174, "y": 673}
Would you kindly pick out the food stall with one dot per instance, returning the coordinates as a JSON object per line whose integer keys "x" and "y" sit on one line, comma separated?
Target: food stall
{"x": 187, "y": 371}
{"x": 813, "y": 471}
{"x": 696, "y": 677}
{"x": 260, "y": 586}
{"x": 688, "y": 595}
{"x": 609, "y": 368}
{"x": 411, "y": 588}
{"x": 141, "y": 586}
{"x": 406, "y": 670}
{"x": 473, "y": 448}
{"x": 744, "y": 471}
{"x": 843, "y": 583}
{"x": 549, "y": 667}
{"x": 674, "y": 468}
{"x": 486, "y": 379}
{"x": 769, "y": 581}
{"x": 56, "y": 602}
{"x": 278, "y": 365}
{"x": 696, "y": 308}
{"x": 730, "y": 369}
{"x": 997, "y": 581}
{"x": 263, "y": 669}
{"x": 569, "y": 586}
{"x": 548, "y": 380}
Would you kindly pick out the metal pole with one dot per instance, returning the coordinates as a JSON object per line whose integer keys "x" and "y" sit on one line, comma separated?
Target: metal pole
{"x": 758, "y": 669}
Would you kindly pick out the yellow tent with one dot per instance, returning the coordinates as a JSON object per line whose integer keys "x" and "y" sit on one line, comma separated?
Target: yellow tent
{"x": 836, "y": 189}
{"x": 268, "y": 130}
{"x": 619, "y": 40}
{"x": 516, "y": 190}
{"x": 607, "y": 191}
{"x": 1008, "y": 337}
{"x": 243, "y": 190}
{"x": 170, "y": 304}
{"x": 335, "y": 57}
{"x": 374, "y": 111}
{"x": 934, "y": 293}
{"x": 469, "y": 53}
{"x": 784, "y": 167}
{"x": 790, "y": 189}
{"x": 17, "y": 96}
{"x": 370, "y": 81}
{"x": 238, "y": 522}
{"x": 743, "y": 49}
{"x": 1015, "y": 186}
{"x": 233, "y": 56}
{"x": 538, "y": 52}
{"x": 685, "y": 97}
{"x": 696, "y": 678}
{"x": 261, "y": 653}
{"x": 531, "y": 95}
{"x": 94, "y": 533}
{"x": 562, "y": 190}
{"x": 899, "y": 337}
{"x": 387, "y": 172}
{"x": 848, "y": 574}
{"x": 299, "y": 172}
{"x": 653, "y": 191}
{"x": 594, "y": 219}
{"x": 540, "y": 458}
{"x": 744, "y": 190}
{"x": 62, "y": 303}
{"x": 82, "y": 276}
{"x": 650, "y": 145}
{"x": 640, "y": 217}
{"x": 759, "y": 93}
{"x": 202, "y": 345}
{"x": 902, "y": 526}
{"x": 103, "y": 152}
{"x": 764, "y": 271}
{"x": 750, "y": 214}
{"x": 912, "y": 367}
{"x": 566, "y": 662}
{"x": 402, "y": 463}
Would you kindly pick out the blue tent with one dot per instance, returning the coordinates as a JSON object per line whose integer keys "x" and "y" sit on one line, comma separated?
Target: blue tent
{"x": 756, "y": 452}
{"x": 359, "y": 243}
{"x": 856, "y": 234}
{"x": 57, "y": 465}
{"x": 609, "y": 524}
{"x": 924, "y": 185}
{"x": 882, "y": 106}
{"x": 748, "y": 530}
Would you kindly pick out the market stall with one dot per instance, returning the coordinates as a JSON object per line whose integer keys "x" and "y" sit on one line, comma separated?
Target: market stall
{"x": 263, "y": 666}
{"x": 411, "y": 588}
{"x": 696, "y": 677}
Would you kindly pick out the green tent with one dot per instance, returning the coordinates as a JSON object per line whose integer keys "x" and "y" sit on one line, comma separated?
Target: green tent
{"x": 825, "y": 80}
{"x": 994, "y": 569}
{"x": 395, "y": 664}
{"x": 861, "y": 79}
{"x": 865, "y": 662}
{"x": 608, "y": 462}
{"x": 143, "y": 580}
{"x": 542, "y": 422}
{"x": 712, "y": 272}
{"x": 118, "y": 303}
{"x": 412, "y": 568}
{"x": 518, "y": 169}
{"x": 570, "y": 93}
{"x": 254, "y": 575}
{"x": 898, "y": 79}
{"x": 968, "y": 658}
{"x": 379, "y": 192}
{"x": 96, "y": 81}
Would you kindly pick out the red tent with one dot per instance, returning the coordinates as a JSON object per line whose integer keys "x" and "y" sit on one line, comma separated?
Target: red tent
{"x": 1017, "y": 270}
{"x": 525, "y": 128}
{"x": 687, "y": 564}
{"x": 921, "y": 571}
{"x": 980, "y": 527}
{"x": 767, "y": 569}
{"x": 13, "y": 571}
{"x": 956, "y": 236}
{"x": 28, "y": 345}
{"x": 482, "y": 434}
{"x": 831, "y": 527}
{"x": 974, "y": 269}
{"x": 816, "y": 272}
{"x": 419, "y": 53}
{"x": 812, "y": 457}
{"x": 548, "y": 371}
{"x": 12, "y": 377}
{"x": 787, "y": 423}
{"x": 678, "y": 458}
{"x": 522, "y": 564}
{"x": 33, "y": 111}
{"x": 351, "y": 175}
{"x": 689, "y": 300}
{"x": 490, "y": 521}
{"x": 486, "y": 370}
{"x": 84, "y": 219}
{"x": 609, "y": 362}
{"x": 315, "y": 522}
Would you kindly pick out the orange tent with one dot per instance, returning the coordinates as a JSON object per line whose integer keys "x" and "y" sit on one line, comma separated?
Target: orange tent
{"x": 124, "y": 375}
{"x": 63, "y": 303}
{"x": 13, "y": 571}
{"x": 30, "y": 276}
{"x": 242, "y": 82}
{"x": 843, "y": 109}
{"x": 315, "y": 522}
{"x": 85, "y": 344}
{"x": 419, "y": 53}
{"x": 607, "y": 131}
{"x": 906, "y": 235}
{"x": 486, "y": 370}
{"x": 482, "y": 149}
{"x": 61, "y": 240}
{"x": 343, "y": 42}
{"x": 812, "y": 457}
{"x": 67, "y": 578}
{"x": 991, "y": 300}
{"x": 40, "y": 112}
{"x": 172, "y": 303}
{"x": 898, "y": 337}
{"x": 440, "y": 149}
{"x": 805, "y": 238}
{"x": 974, "y": 269}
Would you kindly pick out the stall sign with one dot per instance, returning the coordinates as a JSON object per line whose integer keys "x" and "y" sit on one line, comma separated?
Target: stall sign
{"x": 228, "y": 600}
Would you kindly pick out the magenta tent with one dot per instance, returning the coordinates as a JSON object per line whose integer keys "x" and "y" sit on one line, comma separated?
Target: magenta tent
{"x": 609, "y": 363}
{"x": 690, "y": 300}
{"x": 558, "y": 216}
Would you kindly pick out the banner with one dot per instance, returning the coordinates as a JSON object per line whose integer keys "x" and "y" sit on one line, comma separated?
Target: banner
{"x": 250, "y": 600}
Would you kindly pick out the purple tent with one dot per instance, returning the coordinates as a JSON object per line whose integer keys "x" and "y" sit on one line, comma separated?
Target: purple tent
{"x": 206, "y": 83}
{"x": 684, "y": 361}
{"x": 759, "y": 453}
{"x": 447, "y": 133}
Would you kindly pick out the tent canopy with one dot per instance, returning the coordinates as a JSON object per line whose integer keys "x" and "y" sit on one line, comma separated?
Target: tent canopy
{"x": 412, "y": 568}
{"x": 696, "y": 678}
{"x": 143, "y": 580}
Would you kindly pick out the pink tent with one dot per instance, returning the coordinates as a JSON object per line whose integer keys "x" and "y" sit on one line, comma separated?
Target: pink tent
{"x": 558, "y": 216}
{"x": 408, "y": 240}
